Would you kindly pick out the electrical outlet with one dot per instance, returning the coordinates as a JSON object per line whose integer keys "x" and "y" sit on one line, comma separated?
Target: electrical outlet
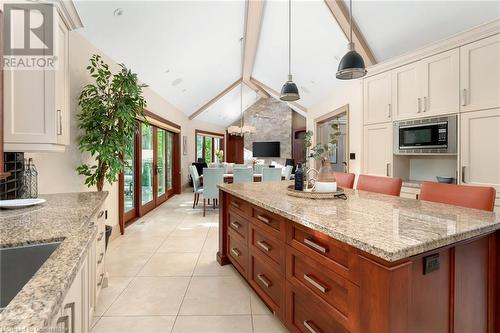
{"x": 352, "y": 156}
{"x": 431, "y": 263}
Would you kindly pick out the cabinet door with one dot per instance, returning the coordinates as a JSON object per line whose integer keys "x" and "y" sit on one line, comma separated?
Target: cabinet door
{"x": 27, "y": 102}
{"x": 72, "y": 304}
{"x": 440, "y": 83}
{"x": 406, "y": 91}
{"x": 480, "y": 74}
{"x": 377, "y": 150}
{"x": 377, "y": 98}
{"x": 480, "y": 148}
{"x": 62, "y": 84}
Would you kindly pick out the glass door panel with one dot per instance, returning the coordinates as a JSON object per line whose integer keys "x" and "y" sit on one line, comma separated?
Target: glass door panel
{"x": 128, "y": 178}
{"x": 208, "y": 149}
{"x": 161, "y": 161}
{"x": 147, "y": 174}
{"x": 170, "y": 161}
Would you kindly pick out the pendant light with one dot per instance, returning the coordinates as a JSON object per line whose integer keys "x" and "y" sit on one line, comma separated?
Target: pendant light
{"x": 241, "y": 130}
{"x": 352, "y": 65}
{"x": 289, "y": 92}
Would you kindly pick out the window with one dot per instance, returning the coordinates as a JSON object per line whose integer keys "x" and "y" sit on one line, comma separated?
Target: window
{"x": 207, "y": 145}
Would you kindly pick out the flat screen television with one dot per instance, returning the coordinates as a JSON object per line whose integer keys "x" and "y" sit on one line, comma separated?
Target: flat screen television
{"x": 266, "y": 149}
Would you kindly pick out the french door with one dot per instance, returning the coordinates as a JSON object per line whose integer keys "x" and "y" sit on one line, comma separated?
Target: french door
{"x": 148, "y": 177}
{"x": 156, "y": 167}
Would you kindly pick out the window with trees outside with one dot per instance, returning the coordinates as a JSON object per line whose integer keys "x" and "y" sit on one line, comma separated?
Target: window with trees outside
{"x": 207, "y": 145}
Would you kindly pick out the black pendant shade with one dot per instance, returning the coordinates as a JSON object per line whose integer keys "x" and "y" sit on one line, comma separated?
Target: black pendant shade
{"x": 289, "y": 91}
{"x": 351, "y": 66}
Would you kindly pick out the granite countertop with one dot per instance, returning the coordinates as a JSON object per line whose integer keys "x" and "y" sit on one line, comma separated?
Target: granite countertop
{"x": 66, "y": 218}
{"x": 388, "y": 227}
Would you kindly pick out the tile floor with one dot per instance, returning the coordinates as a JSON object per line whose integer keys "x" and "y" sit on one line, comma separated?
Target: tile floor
{"x": 163, "y": 277}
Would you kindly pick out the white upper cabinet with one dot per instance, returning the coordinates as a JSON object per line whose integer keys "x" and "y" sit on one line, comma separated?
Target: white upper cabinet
{"x": 440, "y": 83}
{"x": 480, "y": 74}
{"x": 427, "y": 87}
{"x": 377, "y": 98}
{"x": 36, "y": 103}
{"x": 406, "y": 91}
{"x": 480, "y": 148}
{"x": 377, "y": 149}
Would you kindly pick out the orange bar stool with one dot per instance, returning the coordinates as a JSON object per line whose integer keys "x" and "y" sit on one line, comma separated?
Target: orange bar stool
{"x": 345, "y": 180}
{"x": 383, "y": 185}
{"x": 478, "y": 197}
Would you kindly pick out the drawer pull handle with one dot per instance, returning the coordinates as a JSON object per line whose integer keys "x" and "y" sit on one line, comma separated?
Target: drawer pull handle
{"x": 262, "y": 278}
{"x": 263, "y": 219}
{"x": 101, "y": 213}
{"x": 315, "y": 283}
{"x": 101, "y": 279}
{"x": 235, "y": 252}
{"x": 101, "y": 235}
{"x": 234, "y": 204}
{"x": 307, "y": 324}
{"x": 101, "y": 256}
{"x": 264, "y": 246}
{"x": 235, "y": 225}
{"x": 315, "y": 246}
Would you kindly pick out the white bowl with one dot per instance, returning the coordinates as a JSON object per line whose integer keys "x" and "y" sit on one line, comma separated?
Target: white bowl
{"x": 325, "y": 187}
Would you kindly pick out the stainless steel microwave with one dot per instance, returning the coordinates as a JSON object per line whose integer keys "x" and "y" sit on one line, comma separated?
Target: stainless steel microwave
{"x": 426, "y": 136}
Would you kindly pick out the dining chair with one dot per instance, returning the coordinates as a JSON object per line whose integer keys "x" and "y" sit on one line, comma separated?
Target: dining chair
{"x": 478, "y": 197}
{"x": 197, "y": 188}
{"x": 242, "y": 175}
{"x": 345, "y": 180}
{"x": 257, "y": 168}
{"x": 383, "y": 185}
{"x": 287, "y": 172}
{"x": 271, "y": 174}
{"x": 211, "y": 178}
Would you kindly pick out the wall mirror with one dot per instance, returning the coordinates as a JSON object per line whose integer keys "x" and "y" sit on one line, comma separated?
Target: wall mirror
{"x": 339, "y": 154}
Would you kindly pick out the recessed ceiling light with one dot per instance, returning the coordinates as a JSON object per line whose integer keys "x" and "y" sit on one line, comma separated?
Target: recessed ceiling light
{"x": 118, "y": 12}
{"x": 312, "y": 81}
{"x": 177, "y": 81}
{"x": 184, "y": 90}
{"x": 167, "y": 71}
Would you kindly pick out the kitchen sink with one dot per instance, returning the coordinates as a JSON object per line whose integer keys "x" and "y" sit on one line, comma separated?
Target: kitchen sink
{"x": 17, "y": 266}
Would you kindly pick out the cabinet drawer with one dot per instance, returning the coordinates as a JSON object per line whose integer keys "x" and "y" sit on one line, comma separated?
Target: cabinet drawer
{"x": 239, "y": 205}
{"x": 270, "y": 222}
{"x": 238, "y": 224}
{"x": 238, "y": 252}
{"x": 336, "y": 256}
{"x": 307, "y": 313}
{"x": 336, "y": 290}
{"x": 269, "y": 283}
{"x": 270, "y": 247}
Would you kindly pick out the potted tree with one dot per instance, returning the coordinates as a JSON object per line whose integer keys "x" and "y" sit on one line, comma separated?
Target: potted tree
{"x": 110, "y": 108}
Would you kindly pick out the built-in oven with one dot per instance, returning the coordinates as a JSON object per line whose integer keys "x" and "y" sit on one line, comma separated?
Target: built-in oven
{"x": 426, "y": 136}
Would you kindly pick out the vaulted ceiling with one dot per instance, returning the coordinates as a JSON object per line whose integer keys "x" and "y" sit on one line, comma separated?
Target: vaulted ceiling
{"x": 189, "y": 52}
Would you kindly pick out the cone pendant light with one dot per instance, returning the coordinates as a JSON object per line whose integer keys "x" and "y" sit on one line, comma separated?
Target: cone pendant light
{"x": 289, "y": 91}
{"x": 352, "y": 65}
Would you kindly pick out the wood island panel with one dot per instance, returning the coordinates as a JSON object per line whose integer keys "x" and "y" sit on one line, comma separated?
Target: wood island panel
{"x": 314, "y": 283}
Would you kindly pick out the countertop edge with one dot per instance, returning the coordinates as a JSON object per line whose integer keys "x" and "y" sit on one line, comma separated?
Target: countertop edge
{"x": 362, "y": 246}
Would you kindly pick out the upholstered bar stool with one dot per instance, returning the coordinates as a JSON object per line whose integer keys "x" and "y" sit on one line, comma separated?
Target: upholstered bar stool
{"x": 383, "y": 185}
{"x": 345, "y": 180}
{"x": 478, "y": 197}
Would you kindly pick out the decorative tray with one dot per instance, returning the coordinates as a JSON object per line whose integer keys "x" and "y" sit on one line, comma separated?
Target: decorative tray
{"x": 309, "y": 194}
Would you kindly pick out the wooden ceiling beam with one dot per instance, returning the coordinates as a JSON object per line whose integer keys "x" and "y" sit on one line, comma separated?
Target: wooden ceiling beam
{"x": 215, "y": 99}
{"x": 253, "y": 23}
{"x": 341, "y": 14}
{"x": 276, "y": 94}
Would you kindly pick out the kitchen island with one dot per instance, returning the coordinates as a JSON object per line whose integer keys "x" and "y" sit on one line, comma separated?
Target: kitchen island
{"x": 75, "y": 223}
{"x": 371, "y": 263}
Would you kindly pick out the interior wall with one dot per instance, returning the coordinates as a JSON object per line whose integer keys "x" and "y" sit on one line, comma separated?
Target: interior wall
{"x": 273, "y": 122}
{"x": 347, "y": 93}
{"x": 56, "y": 171}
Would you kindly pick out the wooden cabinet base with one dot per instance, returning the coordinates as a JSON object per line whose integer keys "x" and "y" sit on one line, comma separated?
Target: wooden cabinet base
{"x": 314, "y": 283}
